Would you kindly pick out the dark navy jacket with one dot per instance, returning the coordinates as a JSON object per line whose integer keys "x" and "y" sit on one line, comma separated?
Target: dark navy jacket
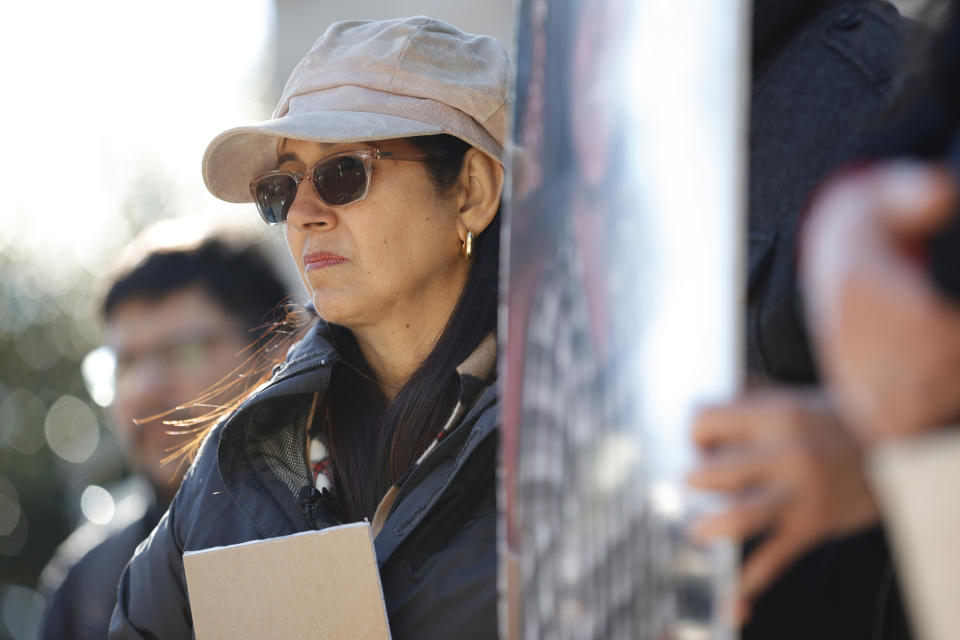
{"x": 81, "y": 605}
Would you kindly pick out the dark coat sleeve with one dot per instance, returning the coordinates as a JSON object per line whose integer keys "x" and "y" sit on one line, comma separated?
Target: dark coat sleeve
{"x": 152, "y": 595}
{"x": 81, "y": 607}
{"x": 152, "y": 599}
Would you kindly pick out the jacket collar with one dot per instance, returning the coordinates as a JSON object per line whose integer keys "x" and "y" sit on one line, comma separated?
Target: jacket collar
{"x": 312, "y": 354}
{"x": 248, "y": 446}
{"x": 305, "y": 372}
{"x": 316, "y": 344}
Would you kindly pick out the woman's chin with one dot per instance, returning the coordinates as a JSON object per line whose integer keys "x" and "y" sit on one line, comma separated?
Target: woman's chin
{"x": 333, "y": 310}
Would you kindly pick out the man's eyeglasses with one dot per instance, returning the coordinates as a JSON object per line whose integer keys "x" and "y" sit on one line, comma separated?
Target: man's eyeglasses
{"x": 339, "y": 179}
{"x": 104, "y": 368}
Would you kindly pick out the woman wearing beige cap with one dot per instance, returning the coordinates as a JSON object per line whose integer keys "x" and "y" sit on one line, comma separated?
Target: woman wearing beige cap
{"x": 383, "y": 164}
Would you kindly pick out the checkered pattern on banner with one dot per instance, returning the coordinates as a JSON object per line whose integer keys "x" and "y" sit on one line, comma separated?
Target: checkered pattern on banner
{"x": 592, "y": 558}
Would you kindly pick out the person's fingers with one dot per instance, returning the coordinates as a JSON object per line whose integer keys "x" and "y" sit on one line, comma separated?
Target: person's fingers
{"x": 768, "y": 561}
{"x": 721, "y": 425}
{"x": 734, "y": 470}
{"x": 746, "y": 516}
{"x": 760, "y": 416}
{"x": 913, "y": 200}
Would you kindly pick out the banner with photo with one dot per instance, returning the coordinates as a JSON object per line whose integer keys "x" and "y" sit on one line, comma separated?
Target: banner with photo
{"x": 621, "y": 312}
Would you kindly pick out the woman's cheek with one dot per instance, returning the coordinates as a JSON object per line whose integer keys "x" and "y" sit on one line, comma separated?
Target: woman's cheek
{"x": 295, "y": 246}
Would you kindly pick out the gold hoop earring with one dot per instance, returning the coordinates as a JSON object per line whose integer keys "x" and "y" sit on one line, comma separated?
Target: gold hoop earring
{"x": 467, "y": 247}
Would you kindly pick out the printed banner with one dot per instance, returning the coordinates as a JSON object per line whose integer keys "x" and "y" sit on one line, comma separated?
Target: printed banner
{"x": 622, "y": 311}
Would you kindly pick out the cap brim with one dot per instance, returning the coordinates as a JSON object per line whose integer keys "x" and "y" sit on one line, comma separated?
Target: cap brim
{"x": 235, "y": 157}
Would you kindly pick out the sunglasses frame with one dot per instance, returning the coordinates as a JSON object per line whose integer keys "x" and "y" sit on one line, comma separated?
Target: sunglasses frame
{"x": 366, "y": 156}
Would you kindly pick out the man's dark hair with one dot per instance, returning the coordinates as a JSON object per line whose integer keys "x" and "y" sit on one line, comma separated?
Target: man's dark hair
{"x": 238, "y": 276}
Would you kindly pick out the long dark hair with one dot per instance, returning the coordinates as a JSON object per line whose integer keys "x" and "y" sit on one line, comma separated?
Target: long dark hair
{"x": 373, "y": 442}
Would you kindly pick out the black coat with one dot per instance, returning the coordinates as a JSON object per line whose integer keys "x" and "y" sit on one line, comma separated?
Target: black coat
{"x": 81, "y": 606}
{"x": 436, "y": 550}
{"x": 823, "y": 76}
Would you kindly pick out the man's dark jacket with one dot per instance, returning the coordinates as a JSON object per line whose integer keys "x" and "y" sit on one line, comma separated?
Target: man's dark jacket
{"x": 81, "y": 606}
{"x": 436, "y": 550}
{"x": 825, "y": 72}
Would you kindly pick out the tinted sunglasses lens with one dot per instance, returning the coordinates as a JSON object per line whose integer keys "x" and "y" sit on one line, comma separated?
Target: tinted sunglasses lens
{"x": 341, "y": 180}
{"x": 274, "y": 196}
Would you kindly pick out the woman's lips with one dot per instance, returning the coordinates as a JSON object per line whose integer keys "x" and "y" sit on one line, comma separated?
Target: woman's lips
{"x": 320, "y": 260}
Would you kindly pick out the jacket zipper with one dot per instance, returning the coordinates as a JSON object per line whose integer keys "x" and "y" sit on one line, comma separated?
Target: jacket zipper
{"x": 313, "y": 365}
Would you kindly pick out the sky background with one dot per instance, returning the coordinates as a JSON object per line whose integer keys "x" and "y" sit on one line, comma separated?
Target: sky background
{"x": 109, "y": 106}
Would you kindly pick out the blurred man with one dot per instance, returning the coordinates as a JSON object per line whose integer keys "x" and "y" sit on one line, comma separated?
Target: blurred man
{"x": 176, "y": 324}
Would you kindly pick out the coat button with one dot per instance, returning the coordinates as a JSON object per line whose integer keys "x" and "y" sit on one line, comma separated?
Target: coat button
{"x": 849, "y": 19}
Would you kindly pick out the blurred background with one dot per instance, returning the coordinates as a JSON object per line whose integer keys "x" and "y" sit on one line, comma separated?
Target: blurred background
{"x": 107, "y": 110}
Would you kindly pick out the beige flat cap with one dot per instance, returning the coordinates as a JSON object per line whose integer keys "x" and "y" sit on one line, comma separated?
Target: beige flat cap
{"x": 374, "y": 80}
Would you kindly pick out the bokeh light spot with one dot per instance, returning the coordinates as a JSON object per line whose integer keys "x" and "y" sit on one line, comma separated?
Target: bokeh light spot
{"x": 9, "y": 507}
{"x": 72, "y": 430}
{"x": 35, "y": 350}
{"x": 616, "y": 460}
{"x": 97, "y": 505}
{"x": 9, "y": 415}
{"x": 58, "y": 334}
{"x": 99, "y": 368}
{"x": 22, "y": 611}
{"x": 667, "y": 500}
{"x": 7, "y": 317}
{"x": 11, "y": 545}
{"x": 21, "y": 415}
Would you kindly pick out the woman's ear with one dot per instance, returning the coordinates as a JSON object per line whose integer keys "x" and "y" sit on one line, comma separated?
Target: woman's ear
{"x": 481, "y": 185}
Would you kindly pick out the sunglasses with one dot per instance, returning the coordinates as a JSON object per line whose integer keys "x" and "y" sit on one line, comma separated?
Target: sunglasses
{"x": 339, "y": 179}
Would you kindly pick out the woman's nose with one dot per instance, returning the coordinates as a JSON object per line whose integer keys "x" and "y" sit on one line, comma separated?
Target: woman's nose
{"x": 308, "y": 212}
